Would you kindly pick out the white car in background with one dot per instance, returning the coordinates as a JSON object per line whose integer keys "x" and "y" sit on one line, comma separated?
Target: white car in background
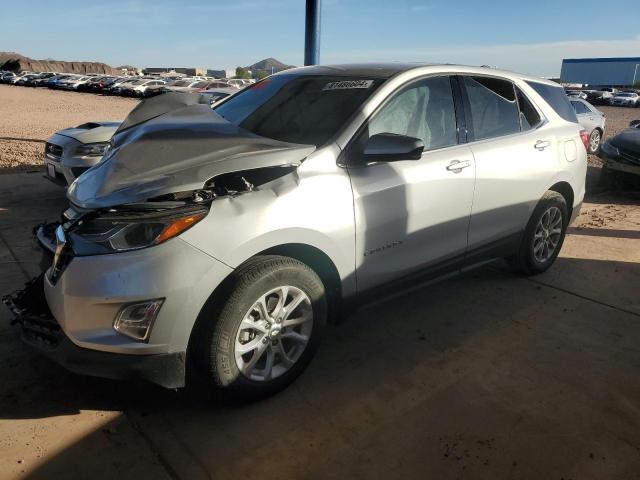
{"x": 13, "y": 80}
{"x": 214, "y": 95}
{"x": 72, "y": 83}
{"x": 626, "y": 99}
{"x": 576, "y": 94}
{"x": 240, "y": 82}
{"x": 184, "y": 85}
{"x": 72, "y": 151}
{"x": 145, "y": 88}
{"x": 592, "y": 120}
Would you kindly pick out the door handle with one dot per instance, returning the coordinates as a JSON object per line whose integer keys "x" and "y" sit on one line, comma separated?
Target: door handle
{"x": 542, "y": 144}
{"x": 456, "y": 166}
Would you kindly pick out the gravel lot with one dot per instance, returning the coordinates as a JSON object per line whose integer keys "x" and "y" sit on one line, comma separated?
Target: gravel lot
{"x": 28, "y": 116}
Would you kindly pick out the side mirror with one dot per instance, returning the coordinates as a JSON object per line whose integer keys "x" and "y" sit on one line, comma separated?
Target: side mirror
{"x": 634, "y": 124}
{"x": 391, "y": 147}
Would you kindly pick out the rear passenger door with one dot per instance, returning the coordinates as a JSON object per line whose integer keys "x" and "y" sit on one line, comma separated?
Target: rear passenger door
{"x": 515, "y": 159}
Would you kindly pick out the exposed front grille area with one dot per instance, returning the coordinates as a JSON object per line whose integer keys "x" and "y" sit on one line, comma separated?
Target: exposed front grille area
{"x": 31, "y": 311}
{"x": 53, "y": 151}
{"x": 43, "y": 331}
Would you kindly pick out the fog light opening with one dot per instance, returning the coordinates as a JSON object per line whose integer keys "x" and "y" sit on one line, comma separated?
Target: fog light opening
{"x": 135, "y": 320}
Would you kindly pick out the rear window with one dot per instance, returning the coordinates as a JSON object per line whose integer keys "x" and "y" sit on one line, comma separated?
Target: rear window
{"x": 556, "y": 99}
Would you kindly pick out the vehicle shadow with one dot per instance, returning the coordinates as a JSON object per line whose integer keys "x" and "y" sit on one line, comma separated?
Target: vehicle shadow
{"x": 457, "y": 362}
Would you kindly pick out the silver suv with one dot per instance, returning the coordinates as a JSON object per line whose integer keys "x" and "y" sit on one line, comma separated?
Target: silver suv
{"x": 219, "y": 242}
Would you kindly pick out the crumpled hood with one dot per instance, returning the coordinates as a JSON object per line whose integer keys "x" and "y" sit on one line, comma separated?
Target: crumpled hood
{"x": 628, "y": 139}
{"x": 174, "y": 151}
{"x": 92, "y": 132}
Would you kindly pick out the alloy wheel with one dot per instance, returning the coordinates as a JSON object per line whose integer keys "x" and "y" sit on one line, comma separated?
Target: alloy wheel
{"x": 594, "y": 141}
{"x": 273, "y": 333}
{"x": 547, "y": 234}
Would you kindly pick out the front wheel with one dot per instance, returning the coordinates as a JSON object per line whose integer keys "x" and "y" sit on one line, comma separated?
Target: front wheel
{"x": 263, "y": 335}
{"x": 543, "y": 236}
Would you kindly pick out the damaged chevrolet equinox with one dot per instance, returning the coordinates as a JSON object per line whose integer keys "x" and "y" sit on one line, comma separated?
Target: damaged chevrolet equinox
{"x": 218, "y": 242}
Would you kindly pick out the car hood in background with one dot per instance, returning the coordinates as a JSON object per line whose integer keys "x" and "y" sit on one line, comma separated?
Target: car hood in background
{"x": 628, "y": 140}
{"x": 170, "y": 144}
{"x": 91, "y": 132}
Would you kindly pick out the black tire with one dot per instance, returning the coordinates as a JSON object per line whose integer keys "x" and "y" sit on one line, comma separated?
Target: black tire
{"x": 525, "y": 261}
{"x": 598, "y": 133}
{"x": 219, "y": 323}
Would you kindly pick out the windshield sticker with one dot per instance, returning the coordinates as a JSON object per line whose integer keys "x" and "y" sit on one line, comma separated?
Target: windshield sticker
{"x": 348, "y": 84}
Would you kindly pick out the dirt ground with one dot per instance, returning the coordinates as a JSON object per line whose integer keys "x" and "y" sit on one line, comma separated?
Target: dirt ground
{"x": 487, "y": 375}
{"x": 28, "y": 116}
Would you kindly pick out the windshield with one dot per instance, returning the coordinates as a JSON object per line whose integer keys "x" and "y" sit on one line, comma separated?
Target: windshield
{"x": 308, "y": 109}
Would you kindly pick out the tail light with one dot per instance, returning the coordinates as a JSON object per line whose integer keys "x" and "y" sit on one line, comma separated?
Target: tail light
{"x": 584, "y": 136}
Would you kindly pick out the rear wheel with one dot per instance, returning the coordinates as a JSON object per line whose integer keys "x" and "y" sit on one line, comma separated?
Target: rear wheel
{"x": 544, "y": 235}
{"x": 263, "y": 335}
{"x": 594, "y": 140}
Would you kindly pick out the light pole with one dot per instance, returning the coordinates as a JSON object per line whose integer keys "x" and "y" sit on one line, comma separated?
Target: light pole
{"x": 312, "y": 33}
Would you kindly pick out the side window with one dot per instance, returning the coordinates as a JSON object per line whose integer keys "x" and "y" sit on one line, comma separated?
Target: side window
{"x": 529, "y": 116}
{"x": 574, "y": 105}
{"x": 494, "y": 111}
{"x": 423, "y": 110}
{"x": 579, "y": 107}
{"x": 556, "y": 99}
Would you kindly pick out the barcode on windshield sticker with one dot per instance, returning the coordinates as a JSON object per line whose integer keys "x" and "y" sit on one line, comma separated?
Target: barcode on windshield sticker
{"x": 348, "y": 84}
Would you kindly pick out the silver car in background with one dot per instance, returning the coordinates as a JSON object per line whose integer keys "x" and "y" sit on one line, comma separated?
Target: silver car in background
{"x": 220, "y": 241}
{"x": 72, "y": 151}
{"x": 626, "y": 99}
{"x": 592, "y": 120}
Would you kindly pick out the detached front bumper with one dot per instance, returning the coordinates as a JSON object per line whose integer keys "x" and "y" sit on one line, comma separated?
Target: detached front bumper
{"x": 41, "y": 331}
{"x": 71, "y": 320}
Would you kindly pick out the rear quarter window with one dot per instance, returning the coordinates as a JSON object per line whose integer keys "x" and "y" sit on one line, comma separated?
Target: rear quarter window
{"x": 557, "y": 99}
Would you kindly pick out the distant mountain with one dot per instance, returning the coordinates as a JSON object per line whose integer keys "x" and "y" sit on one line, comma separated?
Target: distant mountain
{"x": 269, "y": 65}
{"x": 15, "y": 62}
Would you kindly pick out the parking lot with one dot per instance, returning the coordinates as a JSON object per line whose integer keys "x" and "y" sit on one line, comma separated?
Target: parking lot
{"x": 488, "y": 375}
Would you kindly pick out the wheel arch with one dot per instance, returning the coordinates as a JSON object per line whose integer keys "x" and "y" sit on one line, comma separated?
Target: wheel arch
{"x": 311, "y": 256}
{"x": 565, "y": 189}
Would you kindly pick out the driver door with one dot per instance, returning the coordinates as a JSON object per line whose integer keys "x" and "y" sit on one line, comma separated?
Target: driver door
{"x": 413, "y": 215}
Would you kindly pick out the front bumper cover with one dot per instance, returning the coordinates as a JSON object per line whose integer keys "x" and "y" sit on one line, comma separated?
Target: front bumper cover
{"x": 41, "y": 331}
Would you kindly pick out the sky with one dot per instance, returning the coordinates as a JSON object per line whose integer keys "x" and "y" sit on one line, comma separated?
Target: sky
{"x": 528, "y": 37}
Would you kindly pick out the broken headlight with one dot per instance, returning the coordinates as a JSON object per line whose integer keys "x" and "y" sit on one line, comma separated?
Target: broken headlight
{"x": 123, "y": 231}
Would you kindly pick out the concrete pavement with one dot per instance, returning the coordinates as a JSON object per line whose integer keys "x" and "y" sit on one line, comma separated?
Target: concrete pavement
{"x": 487, "y": 375}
